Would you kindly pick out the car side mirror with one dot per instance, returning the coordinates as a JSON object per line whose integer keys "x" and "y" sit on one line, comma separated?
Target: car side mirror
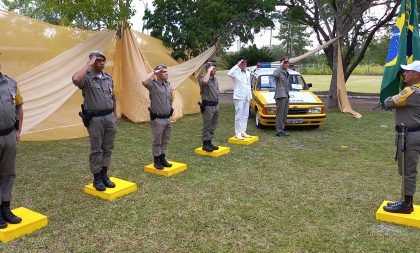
{"x": 309, "y": 85}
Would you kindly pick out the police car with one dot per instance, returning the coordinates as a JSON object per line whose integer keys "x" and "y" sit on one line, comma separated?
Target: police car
{"x": 305, "y": 108}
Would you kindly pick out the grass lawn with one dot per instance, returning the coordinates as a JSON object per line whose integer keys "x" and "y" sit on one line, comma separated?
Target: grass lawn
{"x": 321, "y": 83}
{"x": 314, "y": 191}
{"x": 355, "y": 84}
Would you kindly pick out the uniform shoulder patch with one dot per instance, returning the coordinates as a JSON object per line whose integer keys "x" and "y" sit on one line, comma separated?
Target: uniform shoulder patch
{"x": 401, "y": 98}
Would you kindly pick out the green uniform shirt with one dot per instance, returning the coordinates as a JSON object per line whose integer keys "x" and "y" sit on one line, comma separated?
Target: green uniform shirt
{"x": 209, "y": 91}
{"x": 10, "y": 99}
{"x": 160, "y": 94}
{"x": 98, "y": 91}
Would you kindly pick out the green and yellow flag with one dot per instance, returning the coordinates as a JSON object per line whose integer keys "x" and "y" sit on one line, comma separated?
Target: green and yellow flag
{"x": 403, "y": 49}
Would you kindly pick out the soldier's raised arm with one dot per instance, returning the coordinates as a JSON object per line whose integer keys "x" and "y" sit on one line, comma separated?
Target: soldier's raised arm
{"x": 148, "y": 78}
{"x": 77, "y": 78}
{"x": 207, "y": 76}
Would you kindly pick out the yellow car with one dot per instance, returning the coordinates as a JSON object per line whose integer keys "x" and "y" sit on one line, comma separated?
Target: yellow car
{"x": 305, "y": 108}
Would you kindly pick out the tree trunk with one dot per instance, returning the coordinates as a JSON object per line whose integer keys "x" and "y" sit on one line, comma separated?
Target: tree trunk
{"x": 332, "y": 99}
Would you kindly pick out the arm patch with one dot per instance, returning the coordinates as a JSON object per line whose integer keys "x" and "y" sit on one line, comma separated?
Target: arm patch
{"x": 401, "y": 98}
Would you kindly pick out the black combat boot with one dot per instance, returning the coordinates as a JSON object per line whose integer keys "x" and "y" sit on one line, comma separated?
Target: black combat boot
{"x": 7, "y": 214}
{"x": 108, "y": 183}
{"x": 164, "y": 162}
{"x": 207, "y": 147}
{"x": 3, "y": 223}
{"x": 213, "y": 146}
{"x": 98, "y": 182}
{"x": 158, "y": 164}
{"x": 405, "y": 206}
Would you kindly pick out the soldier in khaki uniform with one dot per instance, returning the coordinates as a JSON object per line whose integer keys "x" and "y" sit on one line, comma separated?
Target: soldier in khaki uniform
{"x": 407, "y": 104}
{"x": 98, "y": 93}
{"x": 11, "y": 117}
{"x": 160, "y": 94}
{"x": 209, "y": 89}
{"x": 281, "y": 95}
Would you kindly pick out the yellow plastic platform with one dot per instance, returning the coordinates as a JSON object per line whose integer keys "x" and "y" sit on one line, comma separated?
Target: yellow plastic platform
{"x": 245, "y": 141}
{"x": 221, "y": 151}
{"x": 31, "y": 221}
{"x": 122, "y": 188}
{"x": 411, "y": 220}
{"x": 167, "y": 171}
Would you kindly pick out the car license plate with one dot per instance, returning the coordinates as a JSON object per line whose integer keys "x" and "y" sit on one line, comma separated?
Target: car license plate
{"x": 294, "y": 121}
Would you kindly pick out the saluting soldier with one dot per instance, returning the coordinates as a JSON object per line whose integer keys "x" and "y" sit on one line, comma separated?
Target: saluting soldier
{"x": 209, "y": 89}
{"x": 407, "y": 104}
{"x": 242, "y": 95}
{"x": 11, "y": 117}
{"x": 161, "y": 99}
{"x": 99, "y": 118}
{"x": 281, "y": 95}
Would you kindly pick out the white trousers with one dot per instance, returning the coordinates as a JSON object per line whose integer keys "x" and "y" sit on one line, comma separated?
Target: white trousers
{"x": 241, "y": 115}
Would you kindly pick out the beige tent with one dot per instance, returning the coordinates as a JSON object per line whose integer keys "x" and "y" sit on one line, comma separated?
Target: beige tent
{"x": 43, "y": 57}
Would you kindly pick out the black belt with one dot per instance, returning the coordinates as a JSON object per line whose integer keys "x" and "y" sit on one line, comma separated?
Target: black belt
{"x": 100, "y": 113}
{"x": 209, "y": 103}
{"x": 399, "y": 129}
{"x": 154, "y": 115}
{"x": 163, "y": 116}
{"x": 6, "y": 131}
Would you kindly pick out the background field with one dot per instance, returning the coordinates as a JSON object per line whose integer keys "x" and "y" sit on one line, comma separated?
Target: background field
{"x": 364, "y": 84}
{"x": 356, "y": 84}
{"x": 315, "y": 191}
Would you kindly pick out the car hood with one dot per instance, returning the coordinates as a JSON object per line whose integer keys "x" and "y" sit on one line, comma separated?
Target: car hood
{"x": 296, "y": 97}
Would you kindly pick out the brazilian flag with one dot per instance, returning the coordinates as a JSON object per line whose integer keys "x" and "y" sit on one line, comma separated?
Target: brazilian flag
{"x": 403, "y": 49}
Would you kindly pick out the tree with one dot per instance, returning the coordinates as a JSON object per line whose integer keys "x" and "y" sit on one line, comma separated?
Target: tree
{"x": 351, "y": 20}
{"x": 87, "y": 14}
{"x": 190, "y": 27}
{"x": 294, "y": 37}
{"x": 253, "y": 55}
{"x": 377, "y": 50}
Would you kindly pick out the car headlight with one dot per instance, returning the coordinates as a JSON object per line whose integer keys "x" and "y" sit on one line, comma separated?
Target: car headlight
{"x": 315, "y": 110}
{"x": 271, "y": 110}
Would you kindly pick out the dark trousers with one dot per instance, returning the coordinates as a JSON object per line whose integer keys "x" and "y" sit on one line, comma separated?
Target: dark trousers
{"x": 102, "y": 132}
{"x": 210, "y": 119}
{"x": 7, "y": 165}
{"x": 282, "y": 105}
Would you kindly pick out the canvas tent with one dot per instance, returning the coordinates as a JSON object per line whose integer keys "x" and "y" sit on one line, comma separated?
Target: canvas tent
{"x": 43, "y": 57}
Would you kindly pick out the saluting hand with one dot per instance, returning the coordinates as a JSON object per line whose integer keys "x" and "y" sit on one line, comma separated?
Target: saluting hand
{"x": 211, "y": 69}
{"x": 157, "y": 71}
{"x": 91, "y": 60}
{"x": 240, "y": 61}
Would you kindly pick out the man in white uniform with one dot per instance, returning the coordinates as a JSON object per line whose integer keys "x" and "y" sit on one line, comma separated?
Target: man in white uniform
{"x": 241, "y": 96}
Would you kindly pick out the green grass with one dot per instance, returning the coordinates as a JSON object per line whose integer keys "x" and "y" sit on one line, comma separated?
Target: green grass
{"x": 303, "y": 193}
{"x": 355, "y": 84}
{"x": 322, "y": 69}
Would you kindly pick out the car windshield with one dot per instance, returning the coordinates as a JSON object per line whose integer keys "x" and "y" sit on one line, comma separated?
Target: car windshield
{"x": 267, "y": 82}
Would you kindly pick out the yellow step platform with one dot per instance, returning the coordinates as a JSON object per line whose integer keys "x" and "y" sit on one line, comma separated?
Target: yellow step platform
{"x": 245, "y": 141}
{"x": 122, "y": 188}
{"x": 221, "y": 151}
{"x": 167, "y": 171}
{"x": 31, "y": 221}
{"x": 411, "y": 220}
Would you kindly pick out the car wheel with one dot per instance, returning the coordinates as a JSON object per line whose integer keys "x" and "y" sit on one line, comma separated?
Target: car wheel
{"x": 257, "y": 119}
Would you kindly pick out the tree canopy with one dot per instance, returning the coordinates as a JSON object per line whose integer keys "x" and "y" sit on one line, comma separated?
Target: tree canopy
{"x": 351, "y": 20}
{"x": 87, "y": 14}
{"x": 294, "y": 37}
{"x": 190, "y": 27}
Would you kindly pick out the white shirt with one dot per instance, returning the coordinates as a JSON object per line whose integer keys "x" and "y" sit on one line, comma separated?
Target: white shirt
{"x": 242, "y": 87}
